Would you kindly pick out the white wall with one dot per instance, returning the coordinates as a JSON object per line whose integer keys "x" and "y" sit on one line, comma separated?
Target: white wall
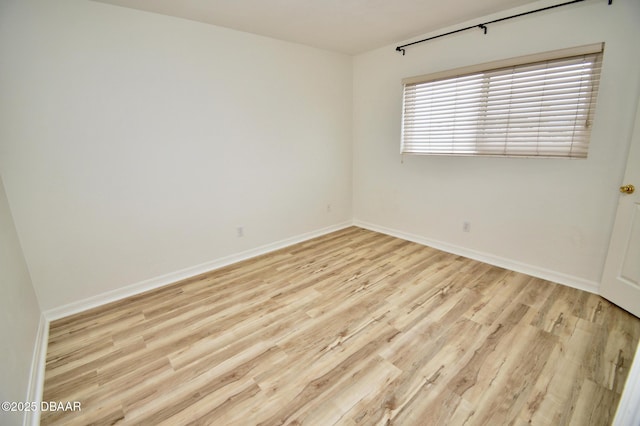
{"x": 133, "y": 144}
{"x": 550, "y": 217}
{"x": 19, "y": 317}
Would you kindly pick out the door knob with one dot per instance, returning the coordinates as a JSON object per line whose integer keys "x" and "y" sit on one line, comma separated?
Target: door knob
{"x": 627, "y": 189}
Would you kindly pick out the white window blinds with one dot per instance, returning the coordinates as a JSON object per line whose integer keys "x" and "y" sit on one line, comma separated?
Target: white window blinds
{"x": 535, "y": 106}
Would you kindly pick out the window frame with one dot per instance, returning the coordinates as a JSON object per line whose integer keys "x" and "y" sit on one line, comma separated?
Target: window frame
{"x": 544, "y": 148}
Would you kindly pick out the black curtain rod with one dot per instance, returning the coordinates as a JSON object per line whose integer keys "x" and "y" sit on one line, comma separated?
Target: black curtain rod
{"x": 483, "y": 26}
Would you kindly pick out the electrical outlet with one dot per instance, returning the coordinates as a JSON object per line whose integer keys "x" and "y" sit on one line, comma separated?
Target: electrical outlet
{"x": 466, "y": 227}
{"x": 240, "y": 231}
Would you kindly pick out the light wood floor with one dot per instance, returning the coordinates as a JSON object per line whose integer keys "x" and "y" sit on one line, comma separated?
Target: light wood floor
{"x": 352, "y": 328}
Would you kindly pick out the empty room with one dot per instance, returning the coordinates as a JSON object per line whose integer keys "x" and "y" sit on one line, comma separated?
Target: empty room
{"x": 320, "y": 212}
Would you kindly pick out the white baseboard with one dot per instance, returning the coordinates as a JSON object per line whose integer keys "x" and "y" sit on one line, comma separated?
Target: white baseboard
{"x": 153, "y": 283}
{"x": 557, "y": 277}
{"x": 36, "y": 379}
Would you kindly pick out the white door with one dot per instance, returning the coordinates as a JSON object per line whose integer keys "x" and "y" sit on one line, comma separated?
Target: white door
{"x": 621, "y": 277}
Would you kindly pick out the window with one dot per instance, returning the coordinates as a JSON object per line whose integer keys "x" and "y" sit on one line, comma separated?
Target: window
{"x": 535, "y": 106}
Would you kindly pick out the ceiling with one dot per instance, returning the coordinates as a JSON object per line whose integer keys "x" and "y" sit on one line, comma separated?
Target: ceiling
{"x": 347, "y": 26}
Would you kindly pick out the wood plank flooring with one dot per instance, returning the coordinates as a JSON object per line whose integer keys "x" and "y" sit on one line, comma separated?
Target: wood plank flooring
{"x": 352, "y": 328}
